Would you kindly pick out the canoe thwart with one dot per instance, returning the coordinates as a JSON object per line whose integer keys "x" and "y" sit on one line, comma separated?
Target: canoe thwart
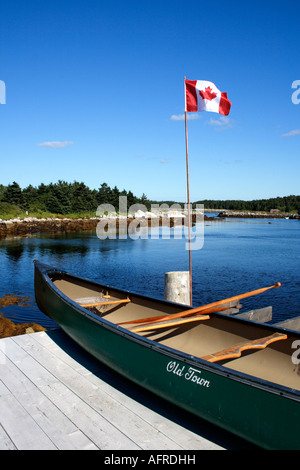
{"x": 236, "y": 351}
{"x": 107, "y": 302}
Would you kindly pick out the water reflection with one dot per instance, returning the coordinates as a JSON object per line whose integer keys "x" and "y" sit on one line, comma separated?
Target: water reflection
{"x": 13, "y": 251}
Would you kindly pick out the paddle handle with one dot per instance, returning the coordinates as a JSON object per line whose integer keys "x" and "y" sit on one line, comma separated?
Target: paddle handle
{"x": 231, "y": 299}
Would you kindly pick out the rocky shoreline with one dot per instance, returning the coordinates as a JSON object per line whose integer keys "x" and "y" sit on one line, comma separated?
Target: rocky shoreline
{"x": 257, "y": 215}
{"x": 30, "y": 225}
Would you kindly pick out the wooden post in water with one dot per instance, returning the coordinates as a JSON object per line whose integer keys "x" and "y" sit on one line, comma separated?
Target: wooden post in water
{"x": 177, "y": 287}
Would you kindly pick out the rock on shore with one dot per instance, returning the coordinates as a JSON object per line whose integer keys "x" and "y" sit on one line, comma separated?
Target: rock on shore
{"x": 32, "y": 225}
{"x": 9, "y": 328}
{"x": 256, "y": 215}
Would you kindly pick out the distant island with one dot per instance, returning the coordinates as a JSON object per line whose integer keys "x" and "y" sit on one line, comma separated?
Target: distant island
{"x": 286, "y": 204}
{"x": 76, "y": 200}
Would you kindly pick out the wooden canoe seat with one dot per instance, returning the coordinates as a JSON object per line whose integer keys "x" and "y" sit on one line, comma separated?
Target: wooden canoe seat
{"x": 236, "y": 351}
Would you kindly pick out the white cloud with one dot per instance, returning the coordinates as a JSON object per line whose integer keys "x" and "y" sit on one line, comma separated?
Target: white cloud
{"x": 55, "y": 145}
{"x": 165, "y": 160}
{"x": 291, "y": 133}
{"x": 221, "y": 124}
{"x": 180, "y": 117}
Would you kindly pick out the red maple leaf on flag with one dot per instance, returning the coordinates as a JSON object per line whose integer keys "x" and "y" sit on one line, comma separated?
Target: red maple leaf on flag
{"x": 207, "y": 94}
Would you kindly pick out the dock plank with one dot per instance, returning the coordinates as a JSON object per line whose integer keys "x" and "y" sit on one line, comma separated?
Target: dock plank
{"x": 102, "y": 433}
{"x": 54, "y": 395}
{"x": 115, "y": 414}
{"x": 146, "y": 427}
{"x": 5, "y": 442}
{"x": 20, "y": 426}
{"x": 46, "y": 415}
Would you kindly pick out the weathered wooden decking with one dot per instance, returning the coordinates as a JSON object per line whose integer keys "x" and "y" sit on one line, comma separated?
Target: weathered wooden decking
{"x": 55, "y": 396}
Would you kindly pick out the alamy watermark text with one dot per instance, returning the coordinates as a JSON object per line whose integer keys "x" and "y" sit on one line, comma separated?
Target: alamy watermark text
{"x": 139, "y": 223}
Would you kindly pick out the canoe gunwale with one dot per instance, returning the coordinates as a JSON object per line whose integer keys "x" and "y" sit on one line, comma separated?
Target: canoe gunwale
{"x": 46, "y": 271}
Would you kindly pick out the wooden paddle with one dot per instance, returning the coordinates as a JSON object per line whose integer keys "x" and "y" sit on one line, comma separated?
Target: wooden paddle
{"x": 202, "y": 309}
{"x": 167, "y": 324}
{"x": 236, "y": 351}
{"x": 149, "y": 319}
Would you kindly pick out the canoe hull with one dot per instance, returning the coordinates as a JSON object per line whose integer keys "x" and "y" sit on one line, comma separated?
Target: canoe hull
{"x": 255, "y": 410}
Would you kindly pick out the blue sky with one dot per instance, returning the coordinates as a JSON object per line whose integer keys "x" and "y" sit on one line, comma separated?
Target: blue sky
{"x": 95, "y": 93}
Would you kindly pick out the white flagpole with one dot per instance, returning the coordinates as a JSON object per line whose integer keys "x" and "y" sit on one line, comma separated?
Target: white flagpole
{"x": 188, "y": 198}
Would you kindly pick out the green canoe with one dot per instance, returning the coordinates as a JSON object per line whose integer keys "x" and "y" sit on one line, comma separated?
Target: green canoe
{"x": 240, "y": 375}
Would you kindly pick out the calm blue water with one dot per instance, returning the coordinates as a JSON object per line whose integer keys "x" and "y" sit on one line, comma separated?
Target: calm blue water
{"x": 238, "y": 255}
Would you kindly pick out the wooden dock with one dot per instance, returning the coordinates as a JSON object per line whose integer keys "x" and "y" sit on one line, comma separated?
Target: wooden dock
{"x": 53, "y": 395}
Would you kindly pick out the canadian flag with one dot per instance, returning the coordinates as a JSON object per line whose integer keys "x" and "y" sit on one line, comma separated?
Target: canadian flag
{"x": 201, "y": 95}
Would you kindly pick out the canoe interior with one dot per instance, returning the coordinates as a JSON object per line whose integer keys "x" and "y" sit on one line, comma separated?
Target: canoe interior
{"x": 199, "y": 339}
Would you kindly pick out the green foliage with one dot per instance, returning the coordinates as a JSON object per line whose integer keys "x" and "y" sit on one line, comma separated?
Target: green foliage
{"x": 62, "y": 198}
{"x": 283, "y": 204}
{"x": 77, "y": 199}
{"x": 13, "y": 194}
{"x": 9, "y": 211}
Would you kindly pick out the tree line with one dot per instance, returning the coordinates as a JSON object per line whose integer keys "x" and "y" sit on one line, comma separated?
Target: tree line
{"x": 66, "y": 198}
{"x": 76, "y": 197}
{"x": 283, "y": 204}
